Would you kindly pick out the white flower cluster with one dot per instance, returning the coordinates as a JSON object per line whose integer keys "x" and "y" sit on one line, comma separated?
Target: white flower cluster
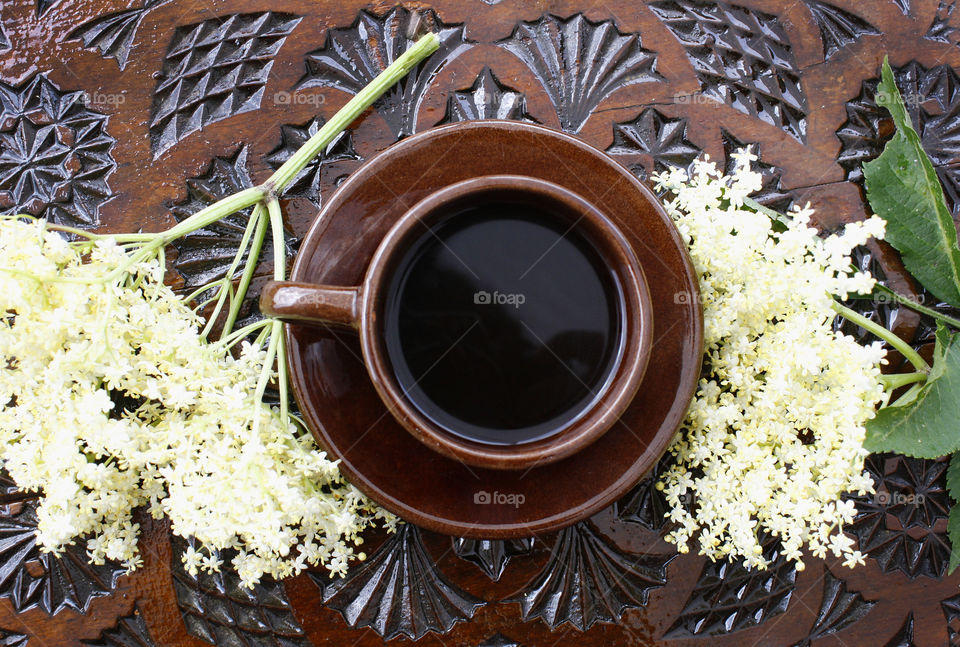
{"x": 774, "y": 436}
{"x": 192, "y": 442}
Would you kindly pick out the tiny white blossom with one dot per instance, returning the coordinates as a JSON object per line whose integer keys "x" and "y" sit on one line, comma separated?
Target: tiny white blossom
{"x": 774, "y": 436}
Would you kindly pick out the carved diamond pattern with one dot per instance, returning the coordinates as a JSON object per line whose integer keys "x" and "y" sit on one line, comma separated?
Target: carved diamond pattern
{"x": 54, "y": 153}
{"x": 743, "y": 58}
{"x": 213, "y": 70}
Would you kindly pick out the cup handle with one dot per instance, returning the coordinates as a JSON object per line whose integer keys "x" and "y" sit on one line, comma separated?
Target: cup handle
{"x": 306, "y": 303}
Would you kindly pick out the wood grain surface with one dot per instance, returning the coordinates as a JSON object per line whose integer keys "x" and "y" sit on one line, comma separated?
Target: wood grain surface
{"x": 117, "y": 115}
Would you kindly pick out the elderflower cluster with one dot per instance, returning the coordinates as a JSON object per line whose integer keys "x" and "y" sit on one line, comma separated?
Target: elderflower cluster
{"x": 113, "y": 401}
{"x": 774, "y": 436}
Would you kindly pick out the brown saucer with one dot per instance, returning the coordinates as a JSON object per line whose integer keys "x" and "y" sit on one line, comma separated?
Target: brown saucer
{"x": 386, "y": 462}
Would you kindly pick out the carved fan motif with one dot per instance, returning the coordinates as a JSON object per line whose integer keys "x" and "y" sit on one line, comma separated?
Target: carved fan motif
{"x": 220, "y": 610}
{"x": 838, "y": 28}
{"x": 588, "y": 580}
{"x": 580, "y": 62}
{"x": 31, "y": 578}
{"x": 353, "y": 56}
{"x": 839, "y": 609}
{"x": 130, "y": 631}
{"x": 398, "y": 591}
{"x": 729, "y": 597}
{"x": 113, "y": 34}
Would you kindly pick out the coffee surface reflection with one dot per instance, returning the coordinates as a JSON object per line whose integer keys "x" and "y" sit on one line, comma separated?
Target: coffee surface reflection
{"x": 502, "y": 323}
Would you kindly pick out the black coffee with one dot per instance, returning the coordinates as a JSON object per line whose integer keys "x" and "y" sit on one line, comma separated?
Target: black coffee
{"x": 502, "y": 323}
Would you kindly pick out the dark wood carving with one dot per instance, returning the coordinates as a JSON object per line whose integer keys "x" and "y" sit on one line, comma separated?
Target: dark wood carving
{"x": 122, "y": 115}
{"x": 56, "y": 153}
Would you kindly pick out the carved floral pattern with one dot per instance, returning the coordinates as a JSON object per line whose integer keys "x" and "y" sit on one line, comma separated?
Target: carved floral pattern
{"x": 292, "y": 137}
{"x": 205, "y": 255}
{"x": 729, "y": 597}
{"x": 55, "y": 154}
{"x": 903, "y": 525}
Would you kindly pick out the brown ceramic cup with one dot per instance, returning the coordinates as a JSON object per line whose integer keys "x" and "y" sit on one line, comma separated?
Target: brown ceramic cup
{"x": 361, "y": 308}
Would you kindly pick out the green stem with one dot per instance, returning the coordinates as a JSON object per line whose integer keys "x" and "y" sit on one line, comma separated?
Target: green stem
{"x": 279, "y": 273}
{"x": 912, "y": 356}
{"x": 902, "y": 300}
{"x": 282, "y": 177}
{"x": 893, "y": 382}
{"x": 211, "y": 214}
{"x": 776, "y": 216}
{"x": 256, "y": 245}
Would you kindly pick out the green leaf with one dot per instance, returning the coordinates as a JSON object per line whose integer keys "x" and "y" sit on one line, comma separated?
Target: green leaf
{"x": 953, "y": 532}
{"x": 953, "y": 477}
{"x": 926, "y": 427}
{"x": 903, "y": 189}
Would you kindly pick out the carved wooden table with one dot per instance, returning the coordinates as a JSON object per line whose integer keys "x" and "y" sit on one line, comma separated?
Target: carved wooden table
{"x": 120, "y": 114}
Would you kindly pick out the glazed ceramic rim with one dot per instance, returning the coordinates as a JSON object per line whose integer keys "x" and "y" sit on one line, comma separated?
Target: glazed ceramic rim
{"x": 632, "y": 349}
{"x": 613, "y": 489}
